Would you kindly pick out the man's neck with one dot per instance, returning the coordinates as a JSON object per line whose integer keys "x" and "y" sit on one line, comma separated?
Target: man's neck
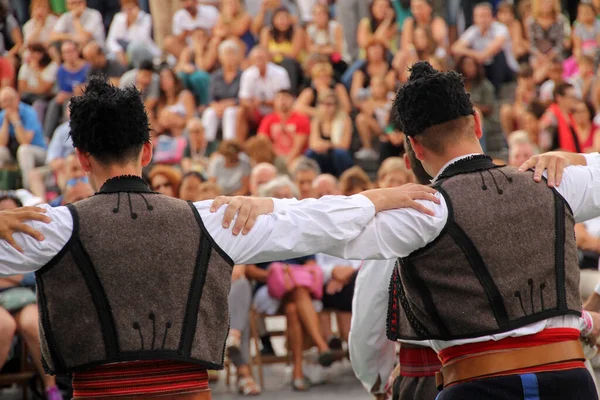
{"x": 452, "y": 154}
{"x": 101, "y": 175}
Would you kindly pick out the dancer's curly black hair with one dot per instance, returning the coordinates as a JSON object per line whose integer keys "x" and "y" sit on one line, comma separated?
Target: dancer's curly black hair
{"x": 109, "y": 123}
{"x": 430, "y": 98}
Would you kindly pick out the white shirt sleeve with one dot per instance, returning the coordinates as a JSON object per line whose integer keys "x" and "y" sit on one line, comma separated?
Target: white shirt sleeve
{"x": 37, "y": 254}
{"x": 395, "y": 233}
{"x": 245, "y": 92}
{"x": 117, "y": 30}
{"x": 95, "y": 26}
{"x": 580, "y": 187}
{"x": 62, "y": 24}
{"x": 373, "y": 356}
{"x": 179, "y": 22}
{"x": 308, "y": 227}
{"x": 592, "y": 159}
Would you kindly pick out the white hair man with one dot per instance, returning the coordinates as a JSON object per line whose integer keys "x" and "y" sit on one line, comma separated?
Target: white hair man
{"x": 325, "y": 185}
{"x": 520, "y": 148}
{"x": 261, "y": 173}
{"x": 280, "y": 188}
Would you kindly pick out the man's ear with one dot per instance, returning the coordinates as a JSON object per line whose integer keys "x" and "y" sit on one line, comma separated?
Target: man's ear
{"x": 84, "y": 160}
{"x": 478, "y": 128}
{"x": 417, "y": 148}
{"x": 146, "y": 153}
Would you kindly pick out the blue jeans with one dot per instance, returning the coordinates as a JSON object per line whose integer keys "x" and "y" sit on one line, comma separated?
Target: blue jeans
{"x": 334, "y": 162}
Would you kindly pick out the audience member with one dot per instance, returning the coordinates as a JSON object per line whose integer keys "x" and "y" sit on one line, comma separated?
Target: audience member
{"x": 548, "y": 31}
{"x": 322, "y": 81}
{"x": 230, "y": 169}
{"x": 36, "y": 78}
{"x": 351, "y": 13}
{"x": 331, "y": 136}
{"x": 39, "y": 28}
{"x": 195, "y": 63}
{"x": 354, "y": 181}
{"x": 373, "y": 118}
{"x": 423, "y": 16}
{"x": 379, "y": 26}
{"x": 393, "y": 173}
{"x": 12, "y": 38}
{"x": 260, "y": 150}
{"x": 147, "y": 82}
{"x": 518, "y": 42}
{"x": 165, "y": 180}
{"x": 21, "y": 136}
{"x": 258, "y": 86}
{"x": 520, "y": 148}
{"x": 325, "y": 36}
{"x": 557, "y": 123}
{"x": 190, "y": 18}
{"x": 586, "y": 31}
{"x": 512, "y": 115}
{"x": 129, "y": 38}
{"x": 554, "y": 74}
{"x": 194, "y": 156}
{"x": 285, "y": 41}
{"x": 489, "y": 43}
{"x": 223, "y": 94}
{"x": 70, "y": 76}
{"x": 191, "y": 187}
{"x": 261, "y": 174}
{"x": 175, "y": 106}
{"x": 303, "y": 173}
{"x": 80, "y": 24}
{"x": 78, "y": 191}
{"x": 479, "y": 87}
{"x": 325, "y": 185}
{"x": 376, "y": 65}
{"x": 100, "y": 65}
{"x": 234, "y": 24}
{"x": 586, "y": 130}
{"x": 288, "y": 130}
{"x": 73, "y": 174}
{"x": 262, "y": 12}
{"x": 423, "y": 48}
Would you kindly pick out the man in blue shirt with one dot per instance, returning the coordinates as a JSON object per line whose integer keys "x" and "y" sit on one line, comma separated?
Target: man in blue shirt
{"x": 21, "y": 135}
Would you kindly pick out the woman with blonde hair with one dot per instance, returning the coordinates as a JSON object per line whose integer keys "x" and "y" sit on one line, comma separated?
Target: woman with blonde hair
{"x": 354, "y": 181}
{"x": 322, "y": 81}
{"x": 548, "y": 31}
{"x": 330, "y": 136}
{"x": 393, "y": 173}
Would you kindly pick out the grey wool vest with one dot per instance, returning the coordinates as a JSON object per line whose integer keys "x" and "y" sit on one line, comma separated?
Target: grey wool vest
{"x": 140, "y": 279}
{"x": 505, "y": 259}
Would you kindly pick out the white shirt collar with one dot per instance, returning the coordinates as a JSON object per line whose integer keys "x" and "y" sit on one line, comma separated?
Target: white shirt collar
{"x": 450, "y": 163}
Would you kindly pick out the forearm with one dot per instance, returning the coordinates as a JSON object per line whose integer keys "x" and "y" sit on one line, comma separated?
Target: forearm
{"x": 592, "y": 303}
{"x": 22, "y": 135}
{"x": 4, "y": 135}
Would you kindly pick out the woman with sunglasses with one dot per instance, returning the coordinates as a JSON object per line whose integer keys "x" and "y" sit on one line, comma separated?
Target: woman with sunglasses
{"x": 165, "y": 180}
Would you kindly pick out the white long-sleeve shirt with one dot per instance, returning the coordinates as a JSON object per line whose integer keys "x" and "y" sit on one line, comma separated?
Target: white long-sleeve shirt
{"x": 139, "y": 31}
{"x": 372, "y": 354}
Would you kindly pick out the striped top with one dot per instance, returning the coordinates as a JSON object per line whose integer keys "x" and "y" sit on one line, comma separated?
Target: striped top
{"x": 139, "y": 378}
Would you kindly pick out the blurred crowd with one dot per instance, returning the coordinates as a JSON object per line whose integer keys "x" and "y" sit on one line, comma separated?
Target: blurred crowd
{"x": 284, "y": 98}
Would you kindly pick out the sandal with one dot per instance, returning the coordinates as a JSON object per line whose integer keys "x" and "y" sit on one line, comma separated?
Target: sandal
{"x": 233, "y": 346}
{"x": 247, "y": 387}
{"x": 301, "y": 384}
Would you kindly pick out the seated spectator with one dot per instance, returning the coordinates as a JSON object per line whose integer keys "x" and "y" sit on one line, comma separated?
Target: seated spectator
{"x": 284, "y": 39}
{"x": 380, "y": 26}
{"x": 175, "y": 107}
{"x": 238, "y": 341}
{"x": 351, "y": 12}
{"x": 423, "y": 16}
{"x": 325, "y": 185}
{"x": 479, "y": 87}
{"x": 39, "y": 28}
{"x": 165, "y": 180}
{"x": 230, "y": 170}
{"x": 21, "y": 136}
{"x": 518, "y": 42}
{"x": 21, "y": 317}
{"x": 331, "y": 136}
{"x": 586, "y": 130}
{"x": 554, "y": 72}
{"x": 195, "y": 63}
{"x": 584, "y": 77}
{"x": 59, "y": 148}
{"x": 354, "y": 181}
{"x": 373, "y": 118}
{"x": 511, "y": 115}
{"x": 322, "y": 81}
{"x": 586, "y": 31}
{"x": 36, "y": 78}
{"x": 192, "y": 187}
{"x": 258, "y": 86}
{"x": 73, "y": 174}
{"x": 260, "y": 150}
{"x": 288, "y": 130}
{"x": 194, "y": 156}
{"x": 376, "y": 65}
{"x": 488, "y": 42}
{"x": 191, "y": 18}
{"x": 549, "y": 32}
{"x": 234, "y": 24}
{"x": 339, "y": 276}
{"x": 531, "y": 120}
{"x": 422, "y": 49}
{"x": 261, "y": 174}
{"x": 223, "y": 94}
{"x": 393, "y": 173}
{"x": 303, "y": 173}
{"x": 77, "y": 192}
{"x": 12, "y": 42}
{"x": 262, "y": 12}
{"x": 326, "y": 37}
{"x": 100, "y": 65}
{"x": 130, "y": 35}
{"x": 520, "y": 148}
{"x": 557, "y": 123}
{"x": 147, "y": 82}
{"x": 80, "y": 25}
{"x": 300, "y": 309}
{"x": 71, "y": 75}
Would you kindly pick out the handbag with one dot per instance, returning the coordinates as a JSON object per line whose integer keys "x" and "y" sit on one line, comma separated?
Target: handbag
{"x": 283, "y": 278}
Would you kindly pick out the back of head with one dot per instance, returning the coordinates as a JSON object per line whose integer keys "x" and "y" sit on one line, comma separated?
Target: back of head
{"x": 434, "y": 107}
{"x": 108, "y": 123}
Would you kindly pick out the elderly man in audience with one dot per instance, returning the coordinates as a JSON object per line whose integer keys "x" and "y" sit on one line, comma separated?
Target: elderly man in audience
{"x": 520, "y": 148}
{"x": 304, "y": 172}
{"x": 258, "y": 87}
{"x": 261, "y": 174}
{"x": 80, "y": 24}
{"x": 19, "y": 314}
{"x": 21, "y": 136}
{"x": 325, "y": 185}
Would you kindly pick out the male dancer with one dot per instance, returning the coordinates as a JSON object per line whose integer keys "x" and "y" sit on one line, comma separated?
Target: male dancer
{"x": 133, "y": 285}
{"x": 491, "y": 280}
{"x": 372, "y": 354}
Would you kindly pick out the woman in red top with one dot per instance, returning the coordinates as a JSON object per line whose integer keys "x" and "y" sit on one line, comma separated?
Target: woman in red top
{"x": 583, "y": 115}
